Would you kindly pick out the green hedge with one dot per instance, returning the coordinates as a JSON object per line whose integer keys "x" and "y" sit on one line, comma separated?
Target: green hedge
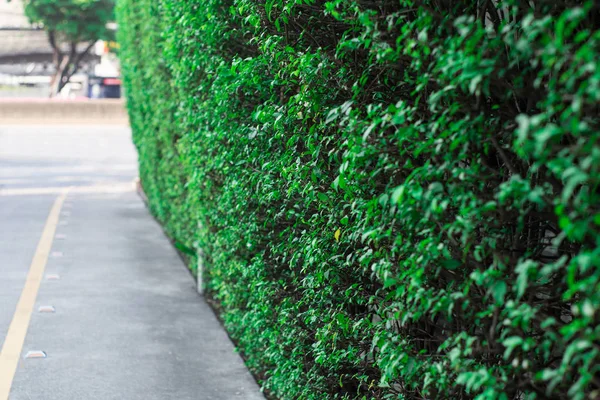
{"x": 394, "y": 199}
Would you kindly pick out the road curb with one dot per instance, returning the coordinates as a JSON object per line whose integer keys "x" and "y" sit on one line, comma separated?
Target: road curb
{"x": 58, "y": 112}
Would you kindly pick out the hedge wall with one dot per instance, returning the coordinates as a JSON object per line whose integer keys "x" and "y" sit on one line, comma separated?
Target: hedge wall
{"x": 395, "y": 199}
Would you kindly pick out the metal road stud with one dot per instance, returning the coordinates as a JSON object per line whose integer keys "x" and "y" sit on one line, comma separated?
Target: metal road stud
{"x": 53, "y": 277}
{"x": 56, "y": 254}
{"x": 60, "y": 236}
{"x": 47, "y": 309}
{"x": 36, "y": 354}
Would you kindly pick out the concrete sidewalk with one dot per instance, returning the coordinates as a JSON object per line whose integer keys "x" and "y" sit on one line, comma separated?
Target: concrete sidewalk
{"x": 127, "y": 321}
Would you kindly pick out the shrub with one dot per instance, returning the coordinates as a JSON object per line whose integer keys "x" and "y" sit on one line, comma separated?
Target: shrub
{"x": 393, "y": 199}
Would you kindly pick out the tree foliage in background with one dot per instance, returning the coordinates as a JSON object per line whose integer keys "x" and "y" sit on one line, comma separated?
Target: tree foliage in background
{"x": 73, "y": 27}
{"x": 393, "y": 199}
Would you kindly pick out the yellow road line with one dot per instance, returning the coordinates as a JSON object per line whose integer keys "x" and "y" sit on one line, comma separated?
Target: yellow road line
{"x": 13, "y": 344}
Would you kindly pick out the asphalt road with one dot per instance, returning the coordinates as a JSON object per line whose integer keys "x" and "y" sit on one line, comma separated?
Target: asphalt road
{"x": 91, "y": 279}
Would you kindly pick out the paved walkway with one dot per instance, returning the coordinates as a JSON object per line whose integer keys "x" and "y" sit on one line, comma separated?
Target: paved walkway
{"x": 88, "y": 279}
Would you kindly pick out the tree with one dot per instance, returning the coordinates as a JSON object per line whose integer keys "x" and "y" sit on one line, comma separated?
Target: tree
{"x": 73, "y": 27}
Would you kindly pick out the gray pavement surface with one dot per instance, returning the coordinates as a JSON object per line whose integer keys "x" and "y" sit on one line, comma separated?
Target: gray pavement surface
{"x": 128, "y": 322}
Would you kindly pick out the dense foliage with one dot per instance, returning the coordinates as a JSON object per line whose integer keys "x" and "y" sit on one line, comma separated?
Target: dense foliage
{"x": 393, "y": 199}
